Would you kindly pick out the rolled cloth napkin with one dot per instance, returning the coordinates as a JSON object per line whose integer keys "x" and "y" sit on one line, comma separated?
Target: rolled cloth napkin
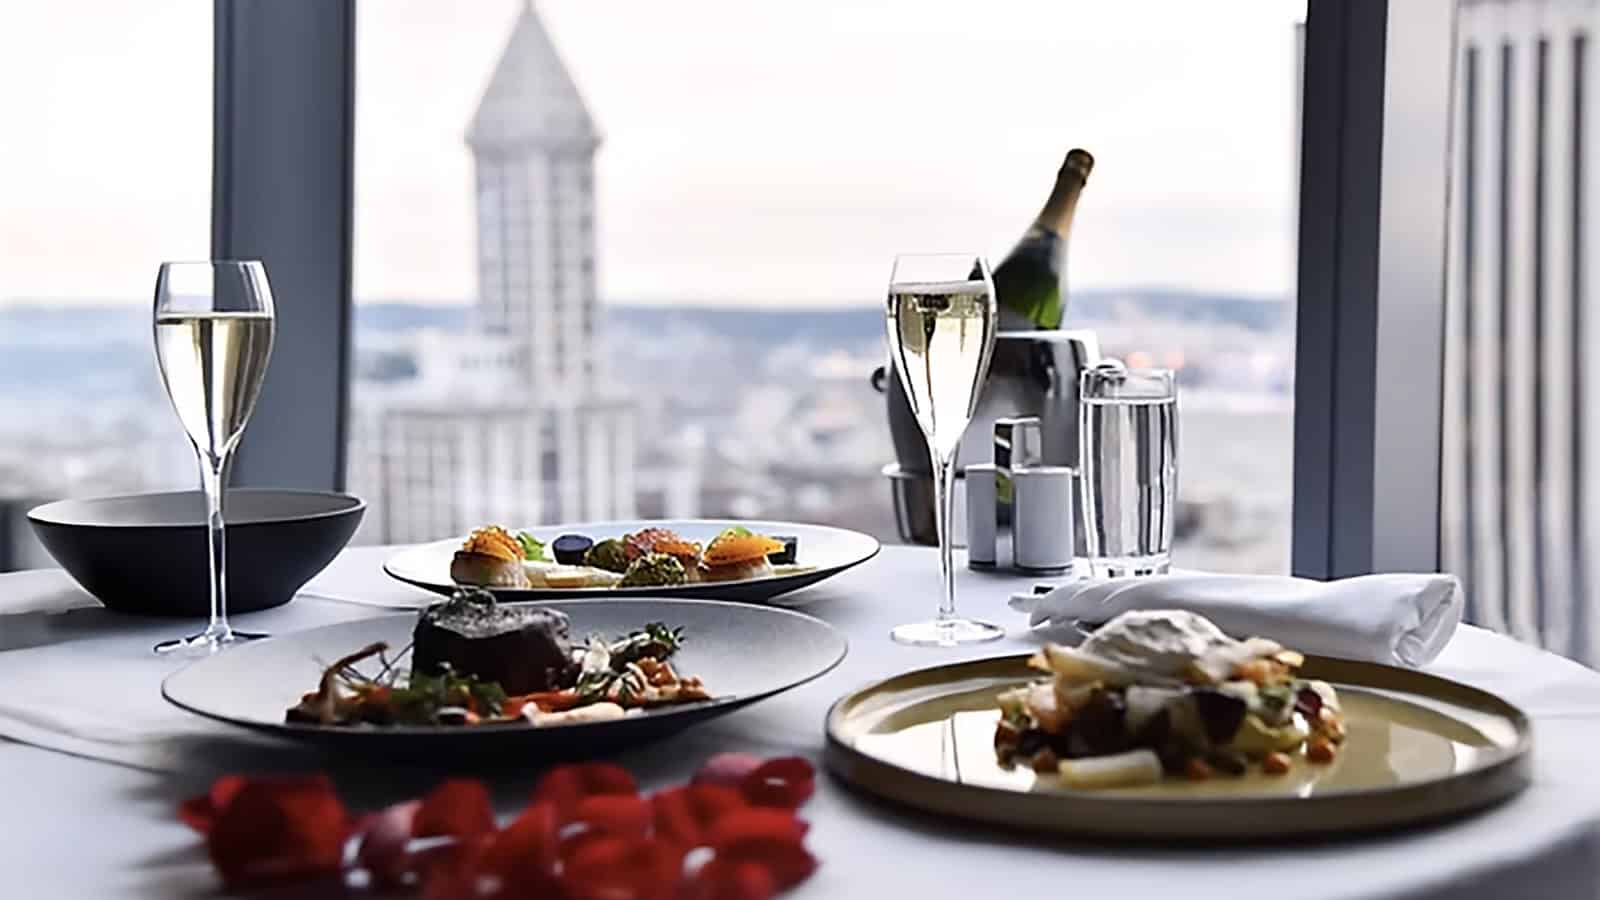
{"x": 1400, "y": 620}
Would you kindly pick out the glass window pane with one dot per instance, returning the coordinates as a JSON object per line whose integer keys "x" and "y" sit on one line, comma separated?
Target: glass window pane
{"x": 105, "y": 171}
{"x": 700, "y": 229}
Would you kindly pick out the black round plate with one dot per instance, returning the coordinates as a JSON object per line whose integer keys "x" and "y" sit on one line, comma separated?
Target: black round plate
{"x": 744, "y": 653}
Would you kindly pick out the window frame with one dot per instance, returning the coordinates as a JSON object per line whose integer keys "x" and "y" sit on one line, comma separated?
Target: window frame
{"x": 1369, "y": 351}
{"x": 282, "y": 175}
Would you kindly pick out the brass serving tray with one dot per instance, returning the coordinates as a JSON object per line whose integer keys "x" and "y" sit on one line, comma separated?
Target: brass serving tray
{"x": 1420, "y": 748}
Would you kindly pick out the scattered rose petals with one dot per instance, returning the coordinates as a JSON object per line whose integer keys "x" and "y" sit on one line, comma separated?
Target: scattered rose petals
{"x": 587, "y": 834}
{"x": 456, "y": 808}
{"x": 279, "y": 829}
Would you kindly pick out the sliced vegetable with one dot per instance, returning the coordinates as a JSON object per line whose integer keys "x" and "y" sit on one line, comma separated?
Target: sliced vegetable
{"x": 1118, "y": 770}
{"x": 532, "y": 547}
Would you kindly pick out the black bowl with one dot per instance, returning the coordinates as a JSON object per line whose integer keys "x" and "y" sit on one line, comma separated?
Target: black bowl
{"x": 146, "y": 553}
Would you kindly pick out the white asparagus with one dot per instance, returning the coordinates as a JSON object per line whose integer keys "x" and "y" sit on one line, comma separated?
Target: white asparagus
{"x": 1134, "y": 767}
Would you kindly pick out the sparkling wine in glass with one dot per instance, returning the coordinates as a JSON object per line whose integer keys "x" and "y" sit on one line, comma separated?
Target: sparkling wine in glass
{"x": 213, "y": 330}
{"x": 941, "y": 322}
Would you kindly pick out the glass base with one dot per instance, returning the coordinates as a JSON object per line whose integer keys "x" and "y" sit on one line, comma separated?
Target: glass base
{"x": 206, "y": 642}
{"x": 946, "y": 633}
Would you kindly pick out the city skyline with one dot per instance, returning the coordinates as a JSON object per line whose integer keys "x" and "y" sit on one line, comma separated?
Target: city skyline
{"x": 791, "y": 184}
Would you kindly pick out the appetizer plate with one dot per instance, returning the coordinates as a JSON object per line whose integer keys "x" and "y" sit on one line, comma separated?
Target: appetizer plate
{"x": 744, "y": 653}
{"x": 1420, "y": 748}
{"x": 823, "y": 550}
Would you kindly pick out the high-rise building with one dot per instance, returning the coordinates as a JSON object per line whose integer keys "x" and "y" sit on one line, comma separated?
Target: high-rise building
{"x": 513, "y": 422}
{"x": 1520, "y": 500}
{"x": 533, "y": 146}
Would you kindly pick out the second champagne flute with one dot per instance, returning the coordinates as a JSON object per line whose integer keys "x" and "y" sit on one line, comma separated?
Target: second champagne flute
{"x": 213, "y": 329}
{"x": 941, "y": 322}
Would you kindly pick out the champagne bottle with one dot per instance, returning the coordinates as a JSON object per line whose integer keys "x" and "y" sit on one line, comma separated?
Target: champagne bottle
{"x": 1030, "y": 283}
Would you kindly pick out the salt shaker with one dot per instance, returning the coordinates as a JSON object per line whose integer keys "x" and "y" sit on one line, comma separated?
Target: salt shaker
{"x": 1042, "y": 532}
{"x": 981, "y": 479}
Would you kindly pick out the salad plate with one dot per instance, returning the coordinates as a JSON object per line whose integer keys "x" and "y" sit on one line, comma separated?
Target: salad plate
{"x": 801, "y": 555}
{"x": 730, "y": 654}
{"x": 1414, "y": 748}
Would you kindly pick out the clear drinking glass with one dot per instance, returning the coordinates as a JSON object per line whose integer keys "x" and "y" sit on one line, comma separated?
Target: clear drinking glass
{"x": 1129, "y": 457}
{"x": 941, "y": 322}
{"x": 213, "y": 331}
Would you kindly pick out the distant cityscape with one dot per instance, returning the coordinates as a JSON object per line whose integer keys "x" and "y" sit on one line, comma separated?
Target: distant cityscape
{"x": 536, "y": 404}
{"x": 776, "y": 406}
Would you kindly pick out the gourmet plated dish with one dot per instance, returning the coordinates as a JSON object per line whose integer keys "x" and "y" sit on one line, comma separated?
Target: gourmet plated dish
{"x": 476, "y": 662}
{"x": 652, "y": 557}
{"x": 1160, "y": 693}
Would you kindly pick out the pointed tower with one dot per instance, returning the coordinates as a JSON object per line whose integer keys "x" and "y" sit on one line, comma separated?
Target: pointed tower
{"x": 533, "y": 144}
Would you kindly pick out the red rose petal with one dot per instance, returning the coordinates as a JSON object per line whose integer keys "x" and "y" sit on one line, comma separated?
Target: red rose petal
{"x": 384, "y": 837}
{"x": 607, "y": 778}
{"x": 200, "y": 812}
{"x": 615, "y": 868}
{"x": 786, "y": 782}
{"x": 615, "y": 814}
{"x": 279, "y": 829}
{"x": 525, "y": 851}
{"x": 729, "y": 769}
{"x": 788, "y": 863}
{"x": 721, "y": 879}
{"x": 683, "y": 814}
{"x": 458, "y": 808}
{"x": 564, "y": 786}
{"x": 755, "y": 823}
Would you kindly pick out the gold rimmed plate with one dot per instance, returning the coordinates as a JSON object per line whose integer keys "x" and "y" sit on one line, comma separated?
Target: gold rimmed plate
{"x": 1420, "y": 748}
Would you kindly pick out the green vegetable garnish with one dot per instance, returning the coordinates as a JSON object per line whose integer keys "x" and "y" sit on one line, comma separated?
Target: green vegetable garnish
{"x": 532, "y": 547}
{"x": 735, "y": 531}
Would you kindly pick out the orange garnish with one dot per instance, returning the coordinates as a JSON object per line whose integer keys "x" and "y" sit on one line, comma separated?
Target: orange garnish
{"x": 738, "y": 548}
{"x": 492, "y": 540}
{"x": 679, "y": 548}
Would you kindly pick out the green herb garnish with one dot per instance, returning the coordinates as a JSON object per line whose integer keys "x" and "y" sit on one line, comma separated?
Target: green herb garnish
{"x": 532, "y": 547}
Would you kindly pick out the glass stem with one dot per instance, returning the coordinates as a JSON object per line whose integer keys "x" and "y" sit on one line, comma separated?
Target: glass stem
{"x": 944, "y": 511}
{"x": 212, "y": 472}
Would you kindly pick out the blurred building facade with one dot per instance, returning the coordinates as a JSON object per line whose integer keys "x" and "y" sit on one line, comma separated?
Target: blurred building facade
{"x": 1520, "y": 504}
{"x": 514, "y": 421}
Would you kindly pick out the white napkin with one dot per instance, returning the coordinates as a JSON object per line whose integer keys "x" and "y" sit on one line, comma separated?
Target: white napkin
{"x": 1402, "y": 620}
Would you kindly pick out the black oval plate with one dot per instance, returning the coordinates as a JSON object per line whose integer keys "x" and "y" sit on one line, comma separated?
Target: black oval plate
{"x": 828, "y": 551}
{"x": 743, "y": 652}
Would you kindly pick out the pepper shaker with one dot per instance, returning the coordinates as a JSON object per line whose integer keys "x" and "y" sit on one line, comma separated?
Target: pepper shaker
{"x": 1018, "y": 444}
{"x": 1042, "y": 532}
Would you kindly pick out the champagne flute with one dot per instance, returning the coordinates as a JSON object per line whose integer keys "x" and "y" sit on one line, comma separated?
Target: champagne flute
{"x": 941, "y": 321}
{"x": 213, "y": 330}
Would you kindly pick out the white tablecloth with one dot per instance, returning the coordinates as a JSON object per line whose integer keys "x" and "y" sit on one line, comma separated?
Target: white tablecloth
{"x": 77, "y": 827}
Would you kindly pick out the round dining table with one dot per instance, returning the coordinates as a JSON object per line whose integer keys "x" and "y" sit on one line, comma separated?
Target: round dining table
{"x": 94, "y": 764}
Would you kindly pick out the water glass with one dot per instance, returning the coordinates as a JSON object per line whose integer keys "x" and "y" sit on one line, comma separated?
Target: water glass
{"x": 1128, "y": 451}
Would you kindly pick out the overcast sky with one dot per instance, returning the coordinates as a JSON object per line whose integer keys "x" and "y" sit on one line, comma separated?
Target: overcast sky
{"x": 755, "y": 152}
